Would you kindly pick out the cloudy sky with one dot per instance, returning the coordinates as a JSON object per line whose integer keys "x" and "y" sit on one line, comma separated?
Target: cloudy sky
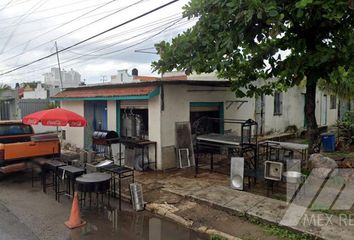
{"x": 29, "y": 29}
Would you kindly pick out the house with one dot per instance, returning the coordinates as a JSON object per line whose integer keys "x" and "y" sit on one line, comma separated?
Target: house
{"x": 162, "y": 103}
{"x": 37, "y": 93}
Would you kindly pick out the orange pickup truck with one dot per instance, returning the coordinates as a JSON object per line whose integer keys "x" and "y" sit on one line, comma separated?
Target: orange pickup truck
{"x": 19, "y": 144}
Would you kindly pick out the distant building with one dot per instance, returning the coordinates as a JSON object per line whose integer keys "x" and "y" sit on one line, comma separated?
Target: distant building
{"x": 38, "y": 93}
{"x": 70, "y": 78}
{"x": 124, "y": 77}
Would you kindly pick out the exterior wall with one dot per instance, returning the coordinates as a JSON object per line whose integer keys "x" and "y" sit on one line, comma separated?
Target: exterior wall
{"x": 122, "y": 77}
{"x": 38, "y": 93}
{"x": 293, "y": 111}
{"x": 111, "y": 115}
{"x": 154, "y": 108}
{"x": 70, "y": 78}
{"x": 74, "y": 135}
{"x": 177, "y": 109}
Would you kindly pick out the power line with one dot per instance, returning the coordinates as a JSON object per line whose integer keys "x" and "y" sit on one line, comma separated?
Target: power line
{"x": 93, "y": 57}
{"x": 61, "y": 25}
{"x": 114, "y": 44}
{"x": 144, "y": 26}
{"x": 6, "y": 5}
{"x": 46, "y": 9}
{"x": 55, "y": 15}
{"x": 18, "y": 3}
{"x": 168, "y": 20}
{"x": 61, "y": 14}
{"x": 30, "y": 11}
{"x": 89, "y": 38}
{"x": 68, "y": 33}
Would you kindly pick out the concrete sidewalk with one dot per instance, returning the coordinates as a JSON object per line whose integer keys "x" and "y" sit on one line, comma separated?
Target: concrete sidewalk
{"x": 220, "y": 195}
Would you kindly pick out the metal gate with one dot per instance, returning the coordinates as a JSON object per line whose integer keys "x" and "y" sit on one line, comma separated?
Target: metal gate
{"x": 28, "y": 106}
{"x": 5, "y": 110}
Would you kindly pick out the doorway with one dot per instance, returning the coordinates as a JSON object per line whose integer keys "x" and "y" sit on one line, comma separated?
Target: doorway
{"x": 324, "y": 110}
{"x": 95, "y": 113}
{"x": 214, "y": 110}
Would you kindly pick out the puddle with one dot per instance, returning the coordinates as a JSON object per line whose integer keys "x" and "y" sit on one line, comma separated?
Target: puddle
{"x": 128, "y": 225}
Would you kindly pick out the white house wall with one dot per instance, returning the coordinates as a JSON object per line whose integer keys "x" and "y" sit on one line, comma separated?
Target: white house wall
{"x": 293, "y": 111}
{"x": 111, "y": 115}
{"x": 154, "y": 113}
{"x": 177, "y": 109}
{"x": 74, "y": 135}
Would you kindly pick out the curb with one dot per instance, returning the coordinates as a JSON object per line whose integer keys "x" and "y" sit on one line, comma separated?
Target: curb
{"x": 245, "y": 215}
{"x": 162, "y": 210}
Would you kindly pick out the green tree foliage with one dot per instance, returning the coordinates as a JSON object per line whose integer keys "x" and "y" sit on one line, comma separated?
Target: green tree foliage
{"x": 263, "y": 46}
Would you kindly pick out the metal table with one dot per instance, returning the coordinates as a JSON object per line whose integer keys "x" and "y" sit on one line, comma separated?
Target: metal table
{"x": 68, "y": 173}
{"x": 141, "y": 144}
{"x": 121, "y": 172}
{"x": 98, "y": 183}
{"x": 301, "y": 148}
{"x": 233, "y": 143}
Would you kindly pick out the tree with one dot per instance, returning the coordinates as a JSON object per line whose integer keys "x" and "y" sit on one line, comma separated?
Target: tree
{"x": 264, "y": 46}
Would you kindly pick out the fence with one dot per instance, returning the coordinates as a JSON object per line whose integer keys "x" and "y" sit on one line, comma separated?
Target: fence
{"x": 28, "y": 106}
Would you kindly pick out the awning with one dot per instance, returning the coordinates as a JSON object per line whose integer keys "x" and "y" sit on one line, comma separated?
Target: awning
{"x": 108, "y": 93}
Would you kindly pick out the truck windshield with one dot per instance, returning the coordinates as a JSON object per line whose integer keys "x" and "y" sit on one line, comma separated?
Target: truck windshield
{"x": 15, "y": 129}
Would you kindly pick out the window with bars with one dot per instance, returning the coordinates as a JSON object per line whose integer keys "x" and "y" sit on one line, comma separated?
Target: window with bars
{"x": 278, "y": 103}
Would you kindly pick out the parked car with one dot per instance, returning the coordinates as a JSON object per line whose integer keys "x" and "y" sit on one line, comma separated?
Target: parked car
{"x": 19, "y": 144}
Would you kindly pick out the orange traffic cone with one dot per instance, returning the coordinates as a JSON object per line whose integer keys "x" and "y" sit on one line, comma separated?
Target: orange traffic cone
{"x": 74, "y": 219}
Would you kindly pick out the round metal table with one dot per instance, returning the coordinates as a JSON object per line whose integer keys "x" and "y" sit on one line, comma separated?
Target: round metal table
{"x": 97, "y": 182}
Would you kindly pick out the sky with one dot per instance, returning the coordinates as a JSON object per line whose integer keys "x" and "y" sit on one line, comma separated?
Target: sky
{"x": 30, "y": 28}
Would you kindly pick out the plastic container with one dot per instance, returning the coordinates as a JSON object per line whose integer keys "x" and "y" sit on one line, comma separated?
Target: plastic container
{"x": 328, "y": 142}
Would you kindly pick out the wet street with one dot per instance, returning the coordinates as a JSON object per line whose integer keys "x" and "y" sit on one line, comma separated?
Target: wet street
{"x": 12, "y": 228}
{"x": 113, "y": 224}
{"x": 28, "y": 213}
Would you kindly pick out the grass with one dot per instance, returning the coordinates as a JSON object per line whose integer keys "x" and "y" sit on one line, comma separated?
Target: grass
{"x": 216, "y": 237}
{"x": 286, "y": 234}
{"x": 280, "y": 231}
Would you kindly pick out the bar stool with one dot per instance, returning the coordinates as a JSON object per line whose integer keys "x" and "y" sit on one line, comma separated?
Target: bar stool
{"x": 68, "y": 174}
{"x": 51, "y": 166}
{"x": 39, "y": 162}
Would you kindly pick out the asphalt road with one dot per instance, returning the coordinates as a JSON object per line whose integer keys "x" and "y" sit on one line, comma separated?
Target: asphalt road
{"x": 11, "y": 228}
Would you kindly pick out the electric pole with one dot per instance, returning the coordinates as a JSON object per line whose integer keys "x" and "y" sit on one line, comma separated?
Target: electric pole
{"x": 60, "y": 77}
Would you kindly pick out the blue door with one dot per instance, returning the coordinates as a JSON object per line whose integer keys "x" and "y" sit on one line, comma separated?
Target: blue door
{"x": 95, "y": 113}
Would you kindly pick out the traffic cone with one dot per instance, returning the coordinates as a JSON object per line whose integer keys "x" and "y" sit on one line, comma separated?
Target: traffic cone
{"x": 74, "y": 219}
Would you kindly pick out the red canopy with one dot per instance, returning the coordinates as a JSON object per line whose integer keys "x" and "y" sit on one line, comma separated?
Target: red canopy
{"x": 55, "y": 117}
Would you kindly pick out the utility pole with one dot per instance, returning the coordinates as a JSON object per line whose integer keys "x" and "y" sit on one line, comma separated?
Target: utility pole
{"x": 60, "y": 77}
{"x": 103, "y": 78}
